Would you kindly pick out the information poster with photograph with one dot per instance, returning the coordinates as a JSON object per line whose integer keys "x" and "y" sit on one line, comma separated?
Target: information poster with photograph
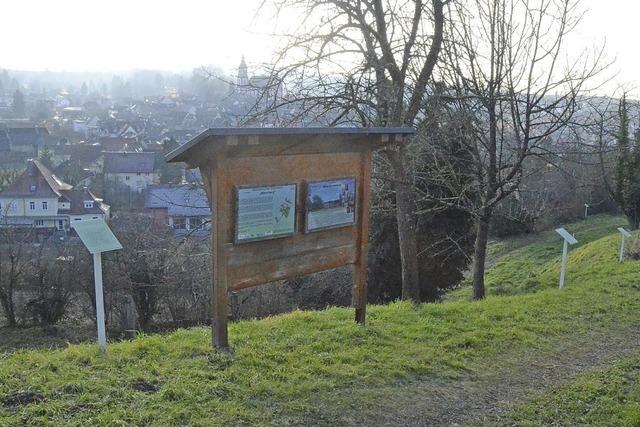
{"x": 265, "y": 212}
{"x": 331, "y": 204}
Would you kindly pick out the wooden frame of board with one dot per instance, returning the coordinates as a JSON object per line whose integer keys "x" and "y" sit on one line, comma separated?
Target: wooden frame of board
{"x": 230, "y": 158}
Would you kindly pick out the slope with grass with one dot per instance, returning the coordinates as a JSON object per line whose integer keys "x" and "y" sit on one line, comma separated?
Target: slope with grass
{"x": 319, "y": 368}
{"x": 600, "y": 397}
{"x": 517, "y": 263}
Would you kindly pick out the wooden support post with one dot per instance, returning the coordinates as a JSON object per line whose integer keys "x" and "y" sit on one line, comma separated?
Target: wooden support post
{"x": 219, "y": 236}
{"x": 362, "y": 252}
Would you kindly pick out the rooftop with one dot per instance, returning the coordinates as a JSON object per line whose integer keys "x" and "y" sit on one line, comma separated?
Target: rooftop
{"x": 125, "y": 162}
{"x": 36, "y": 181}
{"x": 79, "y": 196}
{"x": 179, "y": 200}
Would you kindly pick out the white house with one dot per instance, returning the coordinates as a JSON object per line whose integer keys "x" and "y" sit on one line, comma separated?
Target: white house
{"x": 135, "y": 171}
{"x": 40, "y": 199}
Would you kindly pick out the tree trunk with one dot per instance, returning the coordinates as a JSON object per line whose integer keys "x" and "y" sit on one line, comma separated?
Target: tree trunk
{"x": 9, "y": 313}
{"x": 480, "y": 256}
{"x": 406, "y": 219}
{"x": 633, "y": 219}
{"x": 6, "y": 296}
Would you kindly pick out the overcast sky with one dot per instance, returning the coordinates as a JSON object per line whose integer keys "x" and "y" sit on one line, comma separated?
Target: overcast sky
{"x": 115, "y": 35}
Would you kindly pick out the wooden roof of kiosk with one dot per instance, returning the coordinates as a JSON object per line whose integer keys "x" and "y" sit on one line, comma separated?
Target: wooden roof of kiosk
{"x": 232, "y": 159}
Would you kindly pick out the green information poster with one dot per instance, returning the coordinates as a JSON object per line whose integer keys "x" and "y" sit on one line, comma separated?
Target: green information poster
{"x": 265, "y": 212}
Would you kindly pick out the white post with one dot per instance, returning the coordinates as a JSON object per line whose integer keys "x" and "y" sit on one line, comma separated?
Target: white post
{"x": 565, "y": 249}
{"x": 586, "y": 210}
{"x": 622, "y": 249}
{"x": 97, "y": 274}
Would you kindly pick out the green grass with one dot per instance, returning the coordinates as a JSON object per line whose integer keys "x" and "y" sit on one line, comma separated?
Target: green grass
{"x": 317, "y": 367}
{"x": 603, "y": 397}
{"x": 520, "y": 262}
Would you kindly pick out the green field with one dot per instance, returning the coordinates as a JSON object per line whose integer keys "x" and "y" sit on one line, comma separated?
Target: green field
{"x": 425, "y": 364}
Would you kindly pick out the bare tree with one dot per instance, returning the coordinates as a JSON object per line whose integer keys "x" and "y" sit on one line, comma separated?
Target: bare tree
{"x": 57, "y": 272}
{"x": 504, "y": 66}
{"x": 167, "y": 277}
{"x": 366, "y": 62}
{"x": 14, "y": 262}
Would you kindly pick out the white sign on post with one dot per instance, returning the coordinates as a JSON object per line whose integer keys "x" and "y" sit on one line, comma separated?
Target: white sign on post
{"x": 568, "y": 240}
{"x": 97, "y": 237}
{"x": 624, "y": 233}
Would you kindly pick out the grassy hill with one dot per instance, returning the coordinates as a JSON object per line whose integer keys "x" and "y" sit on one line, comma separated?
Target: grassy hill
{"x": 408, "y": 364}
{"x": 526, "y": 264}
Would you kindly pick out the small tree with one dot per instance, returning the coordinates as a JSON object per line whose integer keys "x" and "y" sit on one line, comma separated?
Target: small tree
{"x": 70, "y": 171}
{"x": 8, "y": 177}
{"x": 626, "y": 189}
{"x": 46, "y": 158}
{"x": 140, "y": 268}
{"x": 56, "y": 273}
{"x": 503, "y": 66}
{"x": 14, "y": 263}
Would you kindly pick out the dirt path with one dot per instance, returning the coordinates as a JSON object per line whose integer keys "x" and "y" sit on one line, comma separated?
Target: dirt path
{"x": 481, "y": 399}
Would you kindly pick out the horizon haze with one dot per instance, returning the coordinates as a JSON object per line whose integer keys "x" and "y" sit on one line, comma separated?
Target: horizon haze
{"x": 171, "y": 36}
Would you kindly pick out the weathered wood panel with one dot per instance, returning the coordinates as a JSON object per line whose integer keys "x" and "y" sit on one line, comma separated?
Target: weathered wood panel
{"x": 258, "y": 146}
{"x": 267, "y": 250}
{"x": 245, "y": 276}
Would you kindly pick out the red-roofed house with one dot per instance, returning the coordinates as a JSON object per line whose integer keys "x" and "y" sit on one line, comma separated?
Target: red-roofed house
{"x": 40, "y": 199}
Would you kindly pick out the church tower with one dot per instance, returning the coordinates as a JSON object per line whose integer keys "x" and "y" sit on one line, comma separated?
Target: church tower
{"x": 243, "y": 75}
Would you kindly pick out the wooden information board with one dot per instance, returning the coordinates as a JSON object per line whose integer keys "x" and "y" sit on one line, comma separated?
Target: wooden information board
{"x": 285, "y": 202}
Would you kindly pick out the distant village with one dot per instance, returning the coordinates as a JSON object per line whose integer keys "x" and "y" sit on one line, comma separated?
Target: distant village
{"x": 87, "y": 154}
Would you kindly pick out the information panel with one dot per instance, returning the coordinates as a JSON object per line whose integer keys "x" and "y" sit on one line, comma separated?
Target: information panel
{"x": 266, "y": 212}
{"x": 96, "y": 235}
{"x": 330, "y": 204}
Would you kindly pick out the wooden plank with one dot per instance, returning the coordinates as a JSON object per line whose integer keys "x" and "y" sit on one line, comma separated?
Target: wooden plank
{"x": 244, "y": 147}
{"x": 217, "y": 137}
{"x": 360, "y": 266}
{"x": 206, "y": 173}
{"x": 309, "y": 145}
{"x": 220, "y": 194}
{"x": 283, "y": 142}
{"x": 246, "y": 276}
{"x": 268, "y": 250}
{"x": 281, "y": 169}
